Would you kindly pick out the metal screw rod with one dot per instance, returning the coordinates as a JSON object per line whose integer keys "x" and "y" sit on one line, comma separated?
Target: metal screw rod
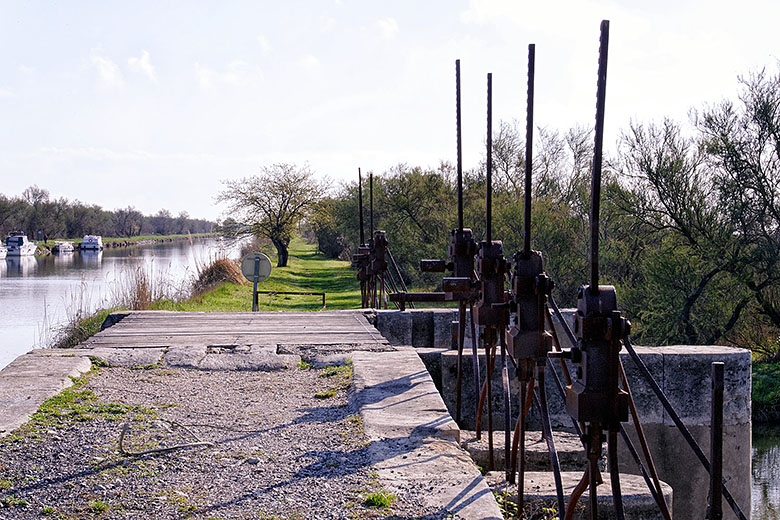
{"x": 489, "y": 144}
{"x": 460, "y": 155}
{"x": 529, "y": 134}
{"x": 595, "y": 190}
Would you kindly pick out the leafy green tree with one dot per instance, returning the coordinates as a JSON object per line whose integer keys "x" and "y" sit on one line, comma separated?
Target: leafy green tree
{"x": 273, "y": 203}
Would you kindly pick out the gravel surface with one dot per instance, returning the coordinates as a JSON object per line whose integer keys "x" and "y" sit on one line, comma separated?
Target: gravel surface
{"x": 279, "y": 452}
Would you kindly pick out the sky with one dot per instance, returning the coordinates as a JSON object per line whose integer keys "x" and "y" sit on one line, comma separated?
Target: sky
{"x": 152, "y": 104}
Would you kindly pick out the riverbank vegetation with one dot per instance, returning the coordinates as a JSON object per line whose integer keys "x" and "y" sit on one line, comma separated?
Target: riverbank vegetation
{"x": 36, "y": 210}
{"x": 690, "y": 218}
{"x": 219, "y": 286}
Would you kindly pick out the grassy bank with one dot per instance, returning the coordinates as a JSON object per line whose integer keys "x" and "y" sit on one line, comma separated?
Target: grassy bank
{"x": 307, "y": 271}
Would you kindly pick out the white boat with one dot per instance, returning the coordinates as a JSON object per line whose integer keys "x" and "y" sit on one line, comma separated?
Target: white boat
{"x": 63, "y": 247}
{"x": 92, "y": 242}
{"x": 17, "y": 245}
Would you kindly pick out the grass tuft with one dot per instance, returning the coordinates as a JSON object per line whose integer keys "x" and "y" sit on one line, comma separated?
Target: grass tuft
{"x": 379, "y": 499}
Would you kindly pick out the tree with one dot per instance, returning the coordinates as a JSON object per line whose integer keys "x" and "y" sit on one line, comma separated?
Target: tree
{"x": 273, "y": 203}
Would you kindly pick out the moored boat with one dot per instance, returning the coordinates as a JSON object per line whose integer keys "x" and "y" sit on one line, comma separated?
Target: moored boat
{"x": 92, "y": 242}
{"x": 17, "y": 244}
{"x": 63, "y": 247}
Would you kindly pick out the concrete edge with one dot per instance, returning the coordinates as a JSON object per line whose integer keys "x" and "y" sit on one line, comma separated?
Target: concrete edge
{"x": 414, "y": 443}
{"x": 31, "y": 379}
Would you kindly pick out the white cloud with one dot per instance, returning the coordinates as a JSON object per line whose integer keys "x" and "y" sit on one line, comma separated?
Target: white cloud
{"x": 6, "y": 92}
{"x": 264, "y": 45}
{"x": 24, "y": 69}
{"x": 309, "y": 62}
{"x": 388, "y": 28}
{"x": 109, "y": 74}
{"x": 143, "y": 65}
{"x": 237, "y": 74}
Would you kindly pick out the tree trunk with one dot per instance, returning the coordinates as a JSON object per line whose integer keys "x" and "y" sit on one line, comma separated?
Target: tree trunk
{"x": 281, "y": 253}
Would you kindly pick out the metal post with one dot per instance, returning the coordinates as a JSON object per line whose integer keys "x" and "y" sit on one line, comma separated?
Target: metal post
{"x": 489, "y": 144}
{"x": 254, "y": 284}
{"x": 360, "y": 204}
{"x": 529, "y": 134}
{"x": 595, "y": 191}
{"x": 457, "y": 130}
{"x": 715, "y": 508}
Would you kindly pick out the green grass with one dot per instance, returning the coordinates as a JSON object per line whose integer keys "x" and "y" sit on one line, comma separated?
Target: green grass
{"x": 72, "y": 405}
{"x": 307, "y": 270}
{"x": 380, "y": 499}
{"x": 766, "y": 392}
{"x": 75, "y": 333}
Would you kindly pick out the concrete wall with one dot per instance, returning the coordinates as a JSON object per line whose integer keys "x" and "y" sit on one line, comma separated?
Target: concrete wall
{"x": 683, "y": 372}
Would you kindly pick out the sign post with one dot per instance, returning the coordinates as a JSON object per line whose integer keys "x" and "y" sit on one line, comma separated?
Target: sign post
{"x": 256, "y": 267}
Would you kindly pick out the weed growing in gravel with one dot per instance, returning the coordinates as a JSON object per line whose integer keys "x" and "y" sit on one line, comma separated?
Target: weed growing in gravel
{"x": 343, "y": 375}
{"x": 325, "y": 394}
{"x": 304, "y": 365}
{"x": 379, "y": 499}
{"x": 344, "y": 371}
{"x": 72, "y": 405}
{"x": 98, "y": 506}
{"x": 150, "y": 366}
{"x": 12, "y": 501}
{"x": 5, "y": 483}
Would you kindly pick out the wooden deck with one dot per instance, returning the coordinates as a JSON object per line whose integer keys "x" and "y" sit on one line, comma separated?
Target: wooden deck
{"x": 163, "y": 329}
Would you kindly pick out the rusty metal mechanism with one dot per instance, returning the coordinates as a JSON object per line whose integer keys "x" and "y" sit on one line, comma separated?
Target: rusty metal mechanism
{"x": 527, "y": 339}
{"x": 492, "y": 306}
{"x": 594, "y": 397}
{"x": 360, "y": 260}
{"x": 371, "y": 259}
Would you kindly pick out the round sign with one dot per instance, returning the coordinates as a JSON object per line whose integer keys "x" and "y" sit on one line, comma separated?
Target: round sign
{"x": 256, "y": 267}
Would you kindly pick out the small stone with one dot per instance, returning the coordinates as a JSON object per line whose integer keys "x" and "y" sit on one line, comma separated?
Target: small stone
{"x": 252, "y": 460}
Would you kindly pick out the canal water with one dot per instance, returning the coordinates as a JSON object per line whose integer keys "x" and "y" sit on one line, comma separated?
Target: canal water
{"x": 766, "y": 472}
{"x": 37, "y": 294}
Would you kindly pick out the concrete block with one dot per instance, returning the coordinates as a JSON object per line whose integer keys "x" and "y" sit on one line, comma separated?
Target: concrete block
{"x": 649, "y": 406}
{"x": 422, "y": 328}
{"x": 395, "y": 326}
{"x": 431, "y": 358}
{"x": 559, "y": 419}
{"x": 687, "y": 380}
{"x": 442, "y": 335}
{"x": 638, "y": 503}
{"x": 185, "y": 357}
{"x": 571, "y": 454}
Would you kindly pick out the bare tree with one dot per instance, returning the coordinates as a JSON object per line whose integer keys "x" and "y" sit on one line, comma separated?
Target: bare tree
{"x": 273, "y": 203}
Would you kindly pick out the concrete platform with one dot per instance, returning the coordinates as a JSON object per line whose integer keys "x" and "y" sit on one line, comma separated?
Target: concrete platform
{"x": 571, "y": 455}
{"x": 30, "y": 380}
{"x": 414, "y": 441}
{"x": 637, "y": 500}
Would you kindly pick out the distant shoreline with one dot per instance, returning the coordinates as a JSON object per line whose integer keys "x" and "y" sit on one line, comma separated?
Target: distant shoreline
{"x": 112, "y": 242}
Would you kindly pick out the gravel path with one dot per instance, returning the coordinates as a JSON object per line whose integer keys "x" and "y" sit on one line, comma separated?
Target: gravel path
{"x": 280, "y": 452}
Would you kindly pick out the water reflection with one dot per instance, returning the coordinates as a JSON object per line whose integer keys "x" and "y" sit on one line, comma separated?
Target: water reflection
{"x": 766, "y": 472}
{"x": 91, "y": 259}
{"x": 20, "y": 265}
{"x": 36, "y": 293}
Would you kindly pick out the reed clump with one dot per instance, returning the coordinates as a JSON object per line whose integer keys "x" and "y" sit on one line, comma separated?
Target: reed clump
{"x": 217, "y": 271}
